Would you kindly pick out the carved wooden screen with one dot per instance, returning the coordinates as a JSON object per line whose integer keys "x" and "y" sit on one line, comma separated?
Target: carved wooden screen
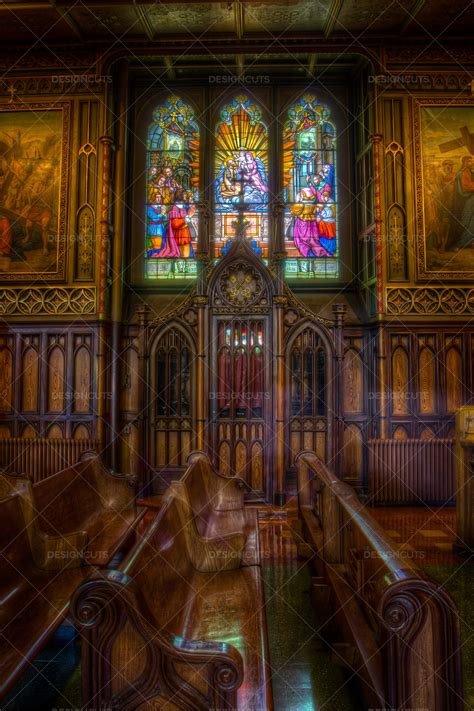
{"x": 171, "y": 401}
{"x": 307, "y": 395}
{"x": 240, "y": 399}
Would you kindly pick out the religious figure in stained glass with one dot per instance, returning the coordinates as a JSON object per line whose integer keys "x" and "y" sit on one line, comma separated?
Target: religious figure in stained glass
{"x": 309, "y": 153}
{"x": 172, "y": 187}
{"x": 241, "y": 170}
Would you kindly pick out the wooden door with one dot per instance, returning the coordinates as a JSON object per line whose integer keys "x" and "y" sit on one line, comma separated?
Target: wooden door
{"x": 240, "y": 400}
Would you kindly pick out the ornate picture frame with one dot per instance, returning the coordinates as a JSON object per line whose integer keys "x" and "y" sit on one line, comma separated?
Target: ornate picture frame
{"x": 34, "y": 161}
{"x": 441, "y": 156}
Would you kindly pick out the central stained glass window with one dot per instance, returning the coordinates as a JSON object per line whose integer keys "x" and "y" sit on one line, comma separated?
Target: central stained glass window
{"x": 241, "y": 176}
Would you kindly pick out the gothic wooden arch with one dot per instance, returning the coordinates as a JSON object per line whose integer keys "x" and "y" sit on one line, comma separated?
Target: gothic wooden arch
{"x": 310, "y": 390}
{"x": 170, "y": 400}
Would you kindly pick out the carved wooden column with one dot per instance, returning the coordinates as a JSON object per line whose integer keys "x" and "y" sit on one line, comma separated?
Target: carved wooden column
{"x": 105, "y": 234}
{"x": 117, "y": 266}
{"x": 279, "y": 304}
{"x": 376, "y": 141}
{"x": 382, "y": 382}
{"x": 106, "y": 144}
{"x": 142, "y": 311}
{"x": 339, "y": 311}
{"x": 201, "y": 304}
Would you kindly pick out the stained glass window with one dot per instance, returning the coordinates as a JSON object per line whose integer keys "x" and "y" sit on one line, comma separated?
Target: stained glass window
{"x": 241, "y": 176}
{"x": 172, "y": 190}
{"x": 309, "y": 179}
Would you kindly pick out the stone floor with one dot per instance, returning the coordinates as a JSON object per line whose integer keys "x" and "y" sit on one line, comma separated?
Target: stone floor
{"x": 304, "y": 676}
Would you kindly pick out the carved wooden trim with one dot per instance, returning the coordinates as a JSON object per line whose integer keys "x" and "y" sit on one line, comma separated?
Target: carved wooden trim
{"x": 47, "y": 301}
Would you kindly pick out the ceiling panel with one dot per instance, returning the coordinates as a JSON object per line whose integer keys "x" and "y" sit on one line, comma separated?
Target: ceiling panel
{"x": 34, "y": 26}
{"x": 444, "y": 15}
{"x": 381, "y": 17}
{"x": 192, "y": 18}
{"x": 112, "y": 23}
{"x": 292, "y": 15}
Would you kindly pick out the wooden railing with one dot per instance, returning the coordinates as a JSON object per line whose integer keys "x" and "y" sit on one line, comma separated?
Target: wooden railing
{"x": 415, "y": 471}
{"x": 40, "y": 457}
{"x": 391, "y": 624}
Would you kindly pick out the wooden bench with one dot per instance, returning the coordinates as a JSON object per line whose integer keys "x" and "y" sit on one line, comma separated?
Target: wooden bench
{"x": 158, "y": 632}
{"x": 217, "y": 502}
{"x": 38, "y": 576}
{"x": 392, "y": 625}
{"x": 85, "y": 497}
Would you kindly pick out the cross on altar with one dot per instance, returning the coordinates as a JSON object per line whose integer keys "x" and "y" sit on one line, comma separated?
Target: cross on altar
{"x": 467, "y": 140}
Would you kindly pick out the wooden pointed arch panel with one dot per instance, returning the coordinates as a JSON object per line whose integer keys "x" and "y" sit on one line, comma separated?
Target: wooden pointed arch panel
{"x": 82, "y": 375}
{"x": 427, "y": 381}
{"x": 170, "y": 398}
{"x": 6, "y": 379}
{"x": 30, "y": 375}
{"x": 56, "y": 379}
{"x": 453, "y": 378}
{"x": 400, "y": 381}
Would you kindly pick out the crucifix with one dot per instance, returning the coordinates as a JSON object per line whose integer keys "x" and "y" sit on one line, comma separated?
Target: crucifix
{"x": 241, "y": 224}
{"x": 466, "y": 139}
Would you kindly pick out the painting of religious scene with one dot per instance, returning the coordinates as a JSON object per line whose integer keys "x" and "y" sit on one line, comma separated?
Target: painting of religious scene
{"x": 172, "y": 191}
{"x": 447, "y": 231}
{"x": 241, "y": 177}
{"x": 310, "y": 196}
{"x": 31, "y": 218}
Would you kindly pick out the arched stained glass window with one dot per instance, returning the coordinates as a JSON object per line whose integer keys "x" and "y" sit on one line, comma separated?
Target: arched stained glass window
{"x": 310, "y": 195}
{"x": 241, "y": 176}
{"x": 172, "y": 190}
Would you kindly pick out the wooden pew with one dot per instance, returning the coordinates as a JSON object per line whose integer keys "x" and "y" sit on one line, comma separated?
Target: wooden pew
{"x": 394, "y": 626}
{"x": 37, "y": 582}
{"x": 157, "y": 630}
{"x": 85, "y": 497}
{"x": 217, "y": 503}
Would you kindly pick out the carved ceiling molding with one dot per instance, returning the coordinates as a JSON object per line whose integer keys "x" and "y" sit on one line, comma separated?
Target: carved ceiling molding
{"x": 66, "y": 83}
{"x": 19, "y": 60}
{"x": 424, "y": 81}
{"x": 455, "y": 54}
{"x": 449, "y": 301}
{"x": 47, "y": 301}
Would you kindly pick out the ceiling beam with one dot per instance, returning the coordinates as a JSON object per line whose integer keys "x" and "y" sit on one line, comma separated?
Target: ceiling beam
{"x": 68, "y": 19}
{"x": 170, "y": 73}
{"x": 144, "y": 21}
{"x": 331, "y": 18}
{"x": 240, "y": 64}
{"x": 239, "y": 18}
{"x": 311, "y": 65}
{"x": 411, "y": 14}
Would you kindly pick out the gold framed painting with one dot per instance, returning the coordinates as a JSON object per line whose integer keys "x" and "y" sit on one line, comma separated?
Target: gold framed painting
{"x": 444, "y": 152}
{"x": 34, "y": 145}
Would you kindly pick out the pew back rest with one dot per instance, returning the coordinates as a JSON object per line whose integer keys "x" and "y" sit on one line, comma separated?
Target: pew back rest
{"x": 66, "y": 500}
{"x": 69, "y": 499}
{"x": 16, "y": 557}
{"x": 161, "y": 567}
{"x": 207, "y": 489}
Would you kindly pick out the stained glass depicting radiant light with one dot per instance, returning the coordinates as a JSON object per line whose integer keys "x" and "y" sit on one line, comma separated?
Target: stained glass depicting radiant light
{"x": 309, "y": 179}
{"x": 241, "y": 176}
{"x": 172, "y": 191}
